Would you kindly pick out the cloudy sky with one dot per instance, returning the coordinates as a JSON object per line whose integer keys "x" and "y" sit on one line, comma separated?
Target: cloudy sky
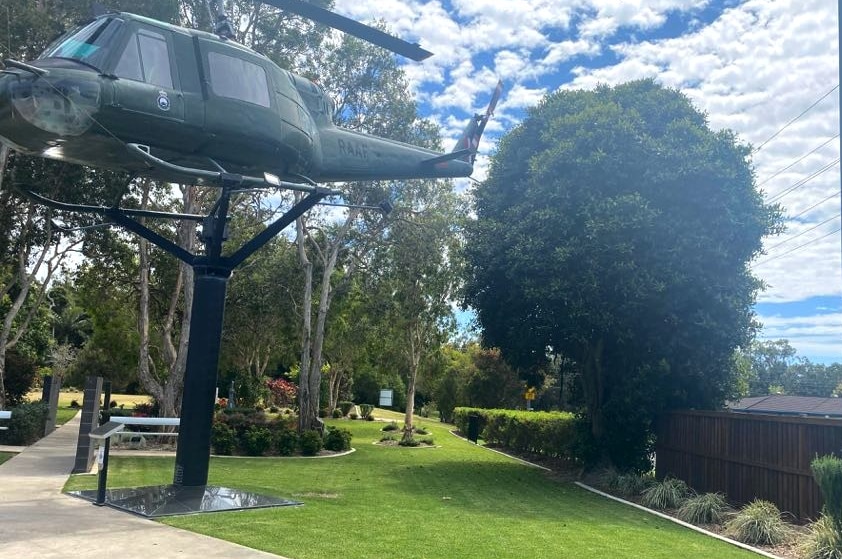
{"x": 767, "y": 69}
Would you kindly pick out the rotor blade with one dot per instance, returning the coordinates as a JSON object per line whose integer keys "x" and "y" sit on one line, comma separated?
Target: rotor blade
{"x": 399, "y": 46}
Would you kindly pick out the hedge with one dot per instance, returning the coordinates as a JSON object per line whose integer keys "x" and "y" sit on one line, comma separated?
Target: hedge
{"x": 551, "y": 434}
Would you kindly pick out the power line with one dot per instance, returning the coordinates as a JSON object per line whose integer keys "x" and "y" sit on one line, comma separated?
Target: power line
{"x": 790, "y": 251}
{"x": 819, "y": 203}
{"x": 803, "y": 181}
{"x": 831, "y": 218}
{"x": 788, "y": 124}
{"x": 799, "y": 160}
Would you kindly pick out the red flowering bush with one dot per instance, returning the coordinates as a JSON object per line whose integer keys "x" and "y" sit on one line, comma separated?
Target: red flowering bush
{"x": 282, "y": 392}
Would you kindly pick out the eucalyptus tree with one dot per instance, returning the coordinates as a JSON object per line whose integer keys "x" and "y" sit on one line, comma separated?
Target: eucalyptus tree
{"x": 417, "y": 278}
{"x": 370, "y": 94}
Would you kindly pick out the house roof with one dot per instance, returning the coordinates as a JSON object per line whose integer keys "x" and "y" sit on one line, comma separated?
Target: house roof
{"x": 790, "y": 405}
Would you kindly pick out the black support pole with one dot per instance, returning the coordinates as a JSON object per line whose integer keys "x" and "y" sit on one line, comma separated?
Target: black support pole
{"x": 193, "y": 453}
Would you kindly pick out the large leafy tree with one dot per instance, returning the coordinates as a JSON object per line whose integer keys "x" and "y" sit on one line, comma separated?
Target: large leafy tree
{"x": 615, "y": 228}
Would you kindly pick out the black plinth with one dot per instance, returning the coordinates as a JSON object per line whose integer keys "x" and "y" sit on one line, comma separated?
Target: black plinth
{"x": 170, "y": 500}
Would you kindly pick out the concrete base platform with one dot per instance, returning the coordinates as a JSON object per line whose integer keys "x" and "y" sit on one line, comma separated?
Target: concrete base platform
{"x": 37, "y": 521}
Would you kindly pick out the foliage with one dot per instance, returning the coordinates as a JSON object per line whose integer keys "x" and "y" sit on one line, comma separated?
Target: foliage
{"x": 346, "y": 407}
{"x": 391, "y": 426}
{"x": 26, "y": 424}
{"x": 707, "y": 508}
{"x": 337, "y": 439}
{"x": 257, "y": 441}
{"x": 20, "y": 376}
{"x": 615, "y": 229}
{"x": 550, "y": 434}
{"x": 310, "y": 443}
{"x": 337, "y": 413}
{"x": 667, "y": 494}
{"x": 823, "y": 540}
{"x": 286, "y": 442}
{"x": 223, "y": 438}
{"x": 282, "y": 393}
{"x": 629, "y": 484}
{"x": 759, "y": 522}
{"x": 365, "y": 411}
{"x": 774, "y": 368}
{"x": 827, "y": 471}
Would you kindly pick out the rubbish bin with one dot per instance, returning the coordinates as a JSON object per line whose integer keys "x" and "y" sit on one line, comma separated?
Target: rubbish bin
{"x": 473, "y": 427}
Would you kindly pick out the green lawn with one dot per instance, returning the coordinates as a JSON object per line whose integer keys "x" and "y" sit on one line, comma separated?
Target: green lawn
{"x": 458, "y": 500}
{"x": 5, "y": 456}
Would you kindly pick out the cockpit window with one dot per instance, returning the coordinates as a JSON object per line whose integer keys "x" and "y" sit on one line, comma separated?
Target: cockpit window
{"x": 90, "y": 44}
{"x": 146, "y": 59}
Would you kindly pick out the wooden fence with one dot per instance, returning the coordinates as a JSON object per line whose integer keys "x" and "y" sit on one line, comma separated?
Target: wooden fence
{"x": 748, "y": 456}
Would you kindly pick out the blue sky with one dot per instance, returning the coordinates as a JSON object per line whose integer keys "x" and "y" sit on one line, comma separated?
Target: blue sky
{"x": 755, "y": 67}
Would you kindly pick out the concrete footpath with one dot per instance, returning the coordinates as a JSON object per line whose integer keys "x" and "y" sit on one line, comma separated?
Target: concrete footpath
{"x": 37, "y": 521}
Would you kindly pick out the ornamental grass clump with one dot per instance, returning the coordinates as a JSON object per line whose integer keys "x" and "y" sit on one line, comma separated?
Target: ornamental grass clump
{"x": 823, "y": 541}
{"x": 759, "y": 522}
{"x": 667, "y": 494}
{"x": 632, "y": 484}
{"x": 707, "y": 508}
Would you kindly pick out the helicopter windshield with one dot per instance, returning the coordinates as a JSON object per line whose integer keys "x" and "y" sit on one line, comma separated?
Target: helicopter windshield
{"x": 90, "y": 44}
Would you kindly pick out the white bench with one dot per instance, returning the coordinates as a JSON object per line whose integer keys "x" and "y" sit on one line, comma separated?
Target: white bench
{"x": 147, "y": 421}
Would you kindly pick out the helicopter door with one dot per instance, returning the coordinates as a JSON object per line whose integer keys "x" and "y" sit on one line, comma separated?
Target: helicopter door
{"x": 241, "y": 108}
{"x": 147, "y": 91}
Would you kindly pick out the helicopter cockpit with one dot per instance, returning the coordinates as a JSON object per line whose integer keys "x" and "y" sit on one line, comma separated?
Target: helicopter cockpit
{"x": 90, "y": 44}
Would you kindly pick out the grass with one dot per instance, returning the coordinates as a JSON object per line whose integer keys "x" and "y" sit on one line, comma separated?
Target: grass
{"x": 456, "y": 500}
{"x": 5, "y": 456}
{"x": 65, "y": 413}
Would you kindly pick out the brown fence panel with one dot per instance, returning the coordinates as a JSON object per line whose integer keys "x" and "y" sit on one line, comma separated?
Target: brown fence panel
{"x": 748, "y": 456}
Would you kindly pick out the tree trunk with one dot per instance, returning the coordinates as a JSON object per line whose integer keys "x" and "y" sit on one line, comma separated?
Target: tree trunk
{"x": 415, "y": 349}
{"x": 593, "y": 385}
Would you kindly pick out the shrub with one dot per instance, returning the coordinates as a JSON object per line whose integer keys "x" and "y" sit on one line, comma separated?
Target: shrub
{"x": 387, "y": 438}
{"x": 310, "y": 442}
{"x": 74, "y": 404}
{"x": 409, "y": 442}
{"x": 365, "y": 411}
{"x": 421, "y": 431}
{"x": 667, "y": 494}
{"x": 370, "y": 418}
{"x": 274, "y": 409}
{"x": 337, "y": 440}
{"x": 707, "y": 508}
{"x": 346, "y": 407}
{"x": 256, "y": 441}
{"x": 551, "y": 434}
{"x": 353, "y": 415}
{"x": 26, "y": 424}
{"x": 759, "y": 522}
{"x": 827, "y": 471}
{"x": 823, "y": 540}
{"x": 223, "y": 439}
{"x": 323, "y": 413}
{"x": 391, "y": 426}
{"x": 286, "y": 442}
{"x": 19, "y": 378}
{"x": 337, "y": 413}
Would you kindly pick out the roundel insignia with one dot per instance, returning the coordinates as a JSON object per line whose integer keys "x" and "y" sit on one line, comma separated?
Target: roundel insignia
{"x": 163, "y": 101}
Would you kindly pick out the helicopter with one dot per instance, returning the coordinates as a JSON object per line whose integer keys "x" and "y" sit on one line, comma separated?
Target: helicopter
{"x": 153, "y": 99}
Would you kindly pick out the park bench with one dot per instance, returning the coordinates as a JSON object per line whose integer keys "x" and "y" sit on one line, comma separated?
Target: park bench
{"x": 5, "y": 415}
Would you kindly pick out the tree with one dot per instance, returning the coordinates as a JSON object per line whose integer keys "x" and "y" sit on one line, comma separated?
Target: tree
{"x": 370, "y": 94}
{"x": 418, "y": 278}
{"x": 615, "y": 229}
{"x": 769, "y": 361}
